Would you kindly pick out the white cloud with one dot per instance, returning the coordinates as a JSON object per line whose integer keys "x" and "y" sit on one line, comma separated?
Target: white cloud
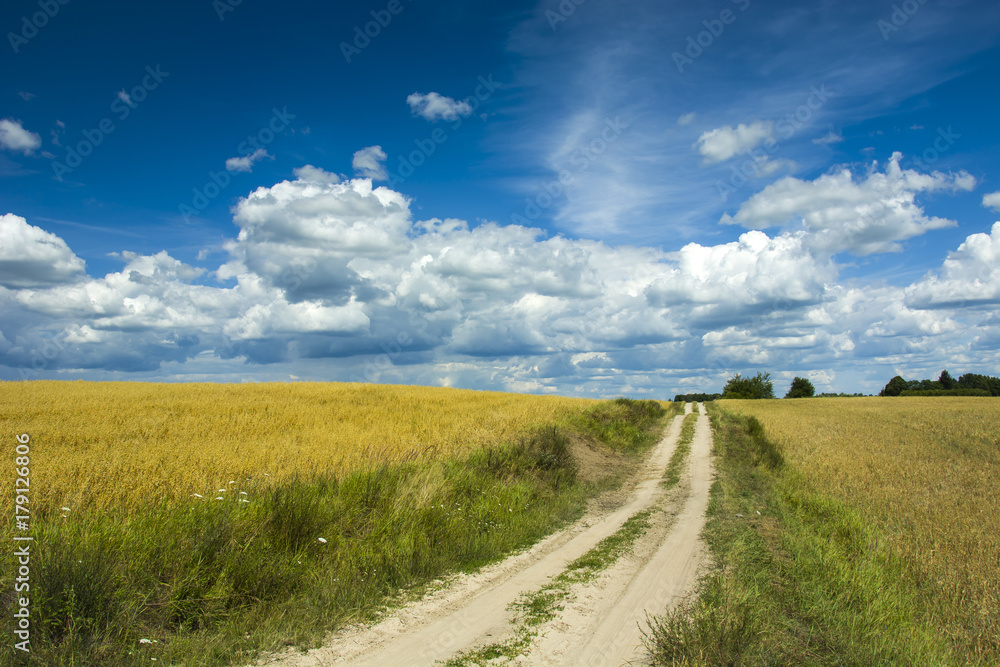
{"x": 14, "y": 137}
{"x": 434, "y": 107}
{"x": 27, "y": 97}
{"x": 686, "y": 119}
{"x": 336, "y": 278}
{"x": 840, "y": 214}
{"x": 124, "y": 97}
{"x": 740, "y": 280}
{"x": 830, "y": 137}
{"x": 311, "y": 174}
{"x": 992, "y": 200}
{"x": 764, "y": 167}
{"x": 33, "y": 257}
{"x": 247, "y": 162}
{"x": 970, "y": 276}
{"x": 280, "y": 317}
{"x": 369, "y": 162}
{"x": 723, "y": 143}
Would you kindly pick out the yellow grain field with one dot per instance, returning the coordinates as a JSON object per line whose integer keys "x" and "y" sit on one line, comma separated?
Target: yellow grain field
{"x": 120, "y": 444}
{"x": 926, "y": 470}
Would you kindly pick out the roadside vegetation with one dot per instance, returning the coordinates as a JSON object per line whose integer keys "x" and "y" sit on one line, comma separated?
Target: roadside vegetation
{"x": 847, "y": 531}
{"x": 260, "y": 563}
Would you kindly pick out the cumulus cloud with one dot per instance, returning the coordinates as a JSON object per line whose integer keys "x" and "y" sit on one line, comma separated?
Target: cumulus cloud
{"x": 841, "y": 214}
{"x": 280, "y": 317}
{"x": 743, "y": 275}
{"x": 434, "y": 107}
{"x": 311, "y": 174}
{"x": 723, "y": 143}
{"x": 992, "y": 200}
{"x": 970, "y": 276}
{"x": 324, "y": 268}
{"x": 369, "y": 162}
{"x": 247, "y": 162}
{"x": 32, "y": 257}
{"x": 15, "y": 138}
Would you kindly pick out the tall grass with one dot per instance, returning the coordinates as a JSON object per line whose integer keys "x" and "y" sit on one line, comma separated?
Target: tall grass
{"x": 799, "y": 578}
{"x": 259, "y": 564}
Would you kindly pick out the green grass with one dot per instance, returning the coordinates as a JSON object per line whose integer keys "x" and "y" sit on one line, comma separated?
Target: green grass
{"x": 799, "y": 578}
{"x": 677, "y": 459}
{"x": 215, "y": 582}
{"x": 622, "y": 423}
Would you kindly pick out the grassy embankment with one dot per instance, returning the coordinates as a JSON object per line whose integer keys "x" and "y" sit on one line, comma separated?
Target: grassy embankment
{"x": 330, "y": 535}
{"x": 874, "y": 542}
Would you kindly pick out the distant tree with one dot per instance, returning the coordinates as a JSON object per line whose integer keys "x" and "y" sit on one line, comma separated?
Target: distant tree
{"x": 896, "y": 385}
{"x": 976, "y": 381}
{"x": 946, "y": 380}
{"x": 801, "y": 388}
{"x": 758, "y": 386}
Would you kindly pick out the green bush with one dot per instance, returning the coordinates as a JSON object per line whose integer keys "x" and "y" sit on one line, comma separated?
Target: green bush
{"x": 758, "y": 386}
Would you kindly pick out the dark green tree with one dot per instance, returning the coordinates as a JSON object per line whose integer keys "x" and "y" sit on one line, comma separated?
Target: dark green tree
{"x": 896, "y": 385}
{"x": 946, "y": 380}
{"x": 801, "y": 388}
{"x": 758, "y": 386}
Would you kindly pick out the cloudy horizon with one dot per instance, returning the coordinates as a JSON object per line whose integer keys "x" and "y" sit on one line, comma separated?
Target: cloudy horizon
{"x": 634, "y": 200}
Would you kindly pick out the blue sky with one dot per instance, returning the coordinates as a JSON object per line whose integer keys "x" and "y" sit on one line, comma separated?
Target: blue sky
{"x": 583, "y": 198}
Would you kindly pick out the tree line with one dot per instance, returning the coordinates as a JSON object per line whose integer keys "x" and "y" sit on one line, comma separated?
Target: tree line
{"x": 762, "y": 386}
{"x": 757, "y": 386}
{"x": 970, "y": 384}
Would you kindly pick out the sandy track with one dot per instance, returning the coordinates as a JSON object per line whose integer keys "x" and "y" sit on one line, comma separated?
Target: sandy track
{"x": 472, "y": 610}
{"x": 603, "y": 625}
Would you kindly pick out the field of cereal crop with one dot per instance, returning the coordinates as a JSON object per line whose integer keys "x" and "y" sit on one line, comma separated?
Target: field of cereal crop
{"x": 119, "y": 444}
{"x": 925, "y": 470}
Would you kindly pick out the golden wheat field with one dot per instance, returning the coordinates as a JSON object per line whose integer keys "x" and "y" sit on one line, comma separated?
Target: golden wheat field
{"x": 101, "y": 445}
{"x": 925, "y": 469}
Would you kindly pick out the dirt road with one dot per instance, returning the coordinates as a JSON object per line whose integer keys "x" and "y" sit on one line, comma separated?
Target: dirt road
{"x": 601, "y": 621}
